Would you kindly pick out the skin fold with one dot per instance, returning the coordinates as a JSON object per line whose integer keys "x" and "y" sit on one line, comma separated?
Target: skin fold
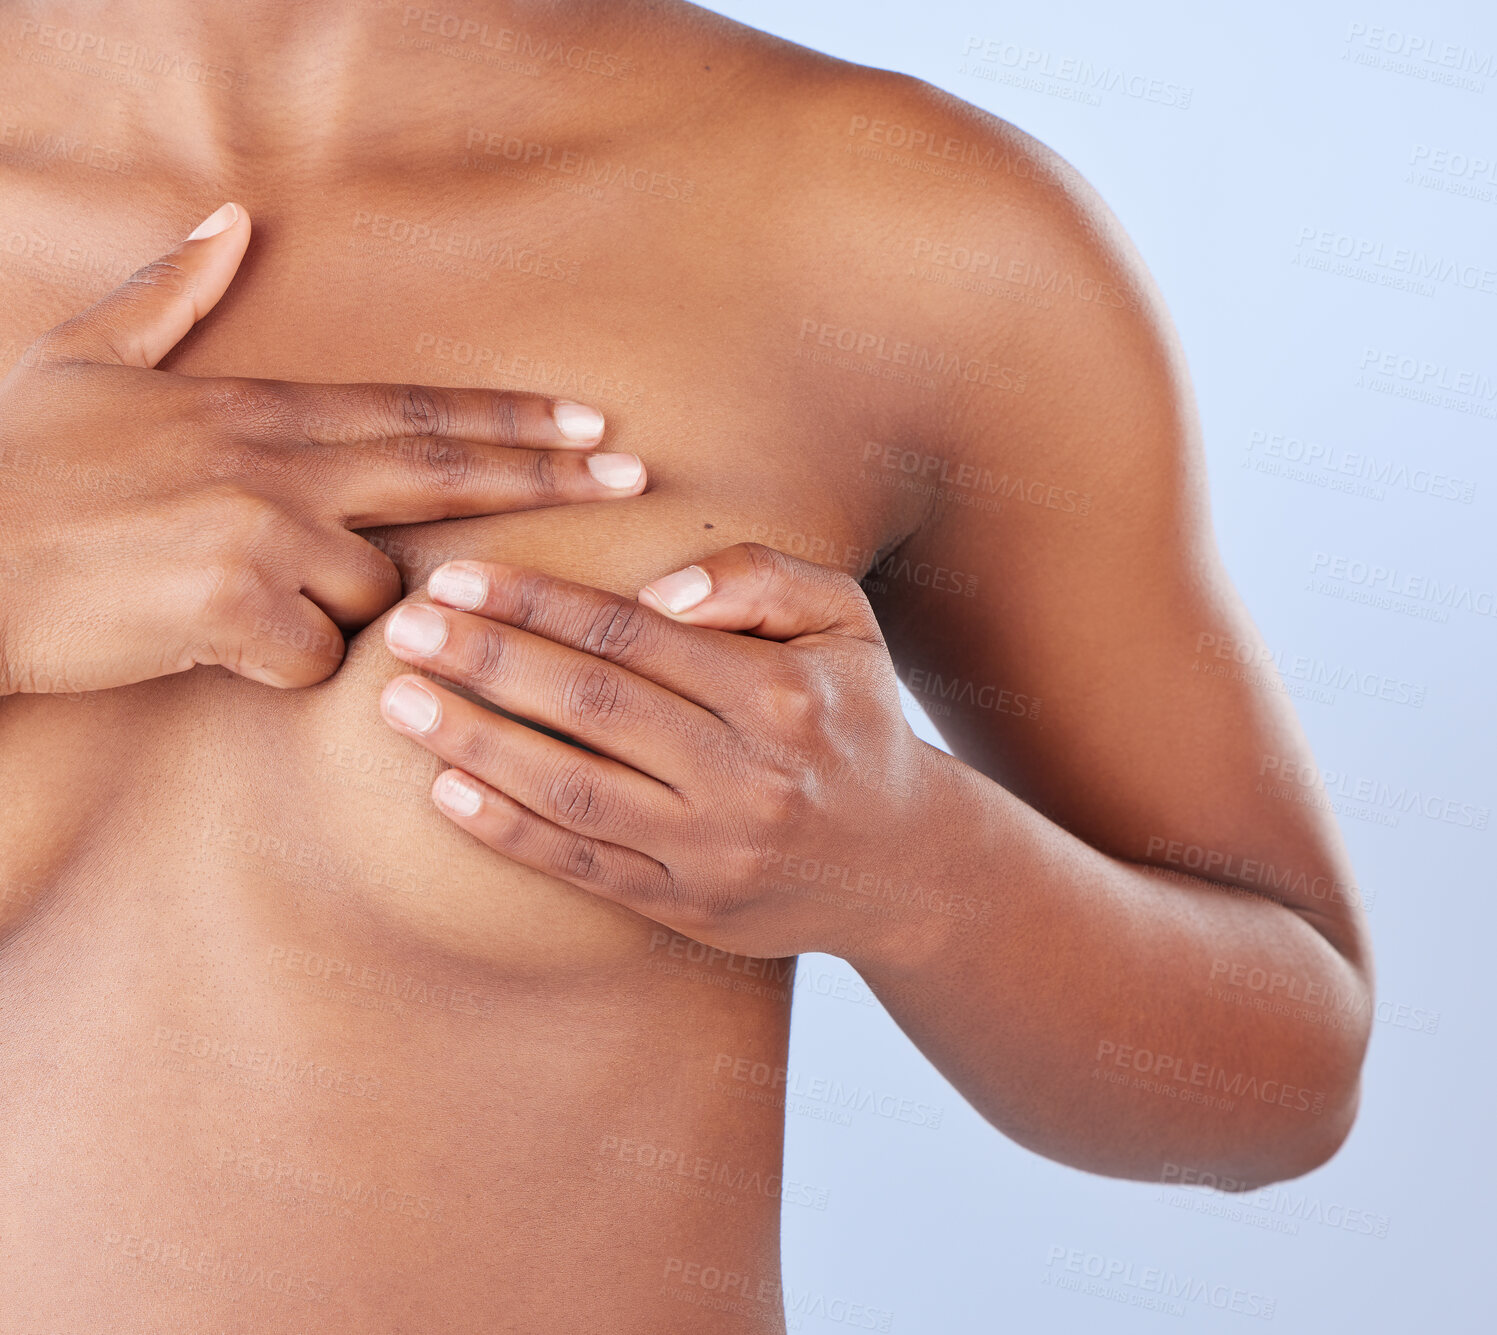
{"x": 288, "y": 1045}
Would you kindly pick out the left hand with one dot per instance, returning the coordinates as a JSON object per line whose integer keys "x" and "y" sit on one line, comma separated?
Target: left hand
{"x": 729, "y": 770}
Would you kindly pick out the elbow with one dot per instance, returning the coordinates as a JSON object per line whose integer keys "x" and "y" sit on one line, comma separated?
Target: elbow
{"x": 1302, "y": 1150}
{"x": 1310, "y": 1116}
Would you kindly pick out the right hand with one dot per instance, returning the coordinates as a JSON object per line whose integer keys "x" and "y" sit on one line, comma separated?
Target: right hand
{"x": 150, "y": 521}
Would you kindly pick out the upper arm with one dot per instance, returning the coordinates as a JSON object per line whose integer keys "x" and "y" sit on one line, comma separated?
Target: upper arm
{"x": 1075, "y": 673}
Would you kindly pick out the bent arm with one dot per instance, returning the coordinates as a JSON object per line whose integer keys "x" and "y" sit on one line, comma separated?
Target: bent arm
{"x": 1166, "y": 963}
{"x": 1118, "y": 1017}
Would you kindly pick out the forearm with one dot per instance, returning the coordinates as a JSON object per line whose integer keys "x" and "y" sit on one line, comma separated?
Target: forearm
{"x": 1113, "y": 1016}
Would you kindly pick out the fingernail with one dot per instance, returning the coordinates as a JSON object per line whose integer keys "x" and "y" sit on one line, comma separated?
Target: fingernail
{"x": 416, "y": 629}
{"x": 683, "y": 590}
{"x": 577, "y": 422}
{"x": 617, "y": 471}
{"x": 458, "y": 586}
{"x": 413, "y": 706}
{"x": 457, "y": 795}
{"x": 220, "y": 220}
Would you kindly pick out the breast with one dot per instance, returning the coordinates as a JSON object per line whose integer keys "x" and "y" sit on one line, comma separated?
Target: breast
{"x": 305, "y": 803}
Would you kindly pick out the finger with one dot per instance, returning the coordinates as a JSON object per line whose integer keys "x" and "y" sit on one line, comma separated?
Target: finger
{"x": 349, "y": 578}
{"x": 349, "y": 414}
{"x": 601, "y": 705}
{"x": 417, "y": 480}
{"x": 290, "y": 644}
{"x": 616, "y": 873}
{"x": 584, "y": 793}
{"x": 697, "y": 665}
{"x": 765, "y": 592}
{"x": 146, "y": 316}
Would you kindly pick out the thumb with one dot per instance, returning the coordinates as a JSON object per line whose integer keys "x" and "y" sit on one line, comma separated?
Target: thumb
{"x": 766, "y": 593}
{"x": 146, "y": 316}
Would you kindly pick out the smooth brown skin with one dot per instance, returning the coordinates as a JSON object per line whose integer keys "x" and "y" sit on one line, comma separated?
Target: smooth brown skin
{"x": 169, "y": 846}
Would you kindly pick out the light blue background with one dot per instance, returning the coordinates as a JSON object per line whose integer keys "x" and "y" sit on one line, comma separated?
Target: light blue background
{"x": 950, "y": 1230}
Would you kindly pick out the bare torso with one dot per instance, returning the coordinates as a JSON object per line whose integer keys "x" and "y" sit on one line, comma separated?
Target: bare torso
{"x": 282, "y": 1048}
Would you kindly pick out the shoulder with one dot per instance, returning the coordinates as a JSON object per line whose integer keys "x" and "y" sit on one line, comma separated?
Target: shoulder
{"x": 926, "y": 222}
{"x": 883, "y": 217}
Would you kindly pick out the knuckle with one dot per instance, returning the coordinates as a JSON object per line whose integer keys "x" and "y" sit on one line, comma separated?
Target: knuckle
{"x": 51, "y": 347}
{"x": 849, "y": 588}
{"x": 420, "y": 410}
{"x": 779, "y": 792}
{"x": 484, "y": 656}
{"x": 376, "y": 594}
{"x": 698, "y": 907}
{"x": 794, "y": 704}
{"x": 527, "y": 595}
{"x": 516, "y": 832}
{"x": 258, "y": 526}
{"x": 579, "y": 858}
{"x": 615, "y": 630}
{"x": 763, "y": 562}
{"x": 246, "y": 459}
{"x": 595, "y": 694}
{"x": 471, "y": 745}
{"x": 742, "y": 865}
{"x": 503, "y": 418}
{"x": 254, "y": 405}
{"x": 163, "y": 276}
{"x": 574, "y": 798}
{"x": 236, "y": 596}
{"x": 444, "y": 466}
{"x": 378, "y": 573}
{"x": 242, "y": 525}
{"x": 541, "y": 477}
